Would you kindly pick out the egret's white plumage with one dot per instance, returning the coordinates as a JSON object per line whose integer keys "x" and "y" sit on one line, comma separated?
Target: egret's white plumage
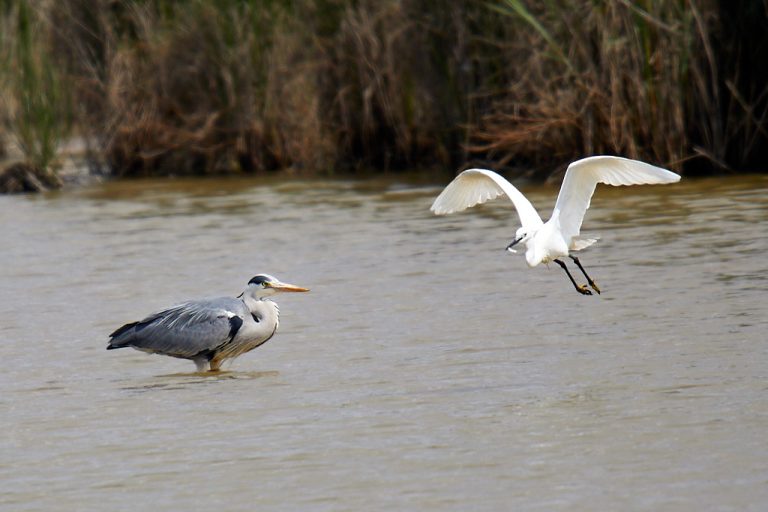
{"x": 559, "y": 236}
{"x": 477, "y": 186}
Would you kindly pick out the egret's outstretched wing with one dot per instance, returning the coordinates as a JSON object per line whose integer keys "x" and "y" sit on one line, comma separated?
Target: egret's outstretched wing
{"x": 186, "y": 330}
{"x": 476, "y": 186}
{"x": 583, "y": 175}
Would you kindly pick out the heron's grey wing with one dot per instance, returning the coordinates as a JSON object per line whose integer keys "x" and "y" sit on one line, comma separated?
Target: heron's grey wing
{"x": 583, "y": 175}
{"x": 476, "y": 186}
{"x": 186, "y": 330}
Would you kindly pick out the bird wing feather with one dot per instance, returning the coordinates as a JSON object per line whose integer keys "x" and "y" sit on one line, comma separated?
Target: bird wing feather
{"x": 477, "y": 186}
{"x": 184, "y": 330}
{"x": 582, "y": 176}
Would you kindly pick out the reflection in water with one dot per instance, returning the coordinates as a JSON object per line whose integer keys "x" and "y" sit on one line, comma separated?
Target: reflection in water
{"x": 221, "y": 375}
{"x": 183, "y": 380}
{"x": 429, "y": 371}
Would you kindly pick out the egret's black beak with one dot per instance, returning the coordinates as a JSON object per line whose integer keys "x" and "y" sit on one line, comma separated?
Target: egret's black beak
{"x": 514, "y": 242}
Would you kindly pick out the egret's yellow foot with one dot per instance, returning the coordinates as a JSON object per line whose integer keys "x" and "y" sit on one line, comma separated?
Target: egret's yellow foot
{"x": 582, "y": 289}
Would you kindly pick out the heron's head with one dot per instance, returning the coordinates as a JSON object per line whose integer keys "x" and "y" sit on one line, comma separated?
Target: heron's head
{"x": 521, "y": 235}
{"x": 264, "y": 285}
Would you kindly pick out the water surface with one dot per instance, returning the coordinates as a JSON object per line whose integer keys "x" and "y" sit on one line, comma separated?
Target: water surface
{"x": 427, "y": 369}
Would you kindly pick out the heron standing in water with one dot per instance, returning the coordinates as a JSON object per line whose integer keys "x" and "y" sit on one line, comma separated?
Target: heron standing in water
{"x": 559, "y": 236}
{"x": 209, "y": 331}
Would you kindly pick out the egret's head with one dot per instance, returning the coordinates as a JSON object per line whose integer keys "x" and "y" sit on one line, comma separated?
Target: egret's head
{"x": 264, "y": 285}
{"x": 521, "y": 235}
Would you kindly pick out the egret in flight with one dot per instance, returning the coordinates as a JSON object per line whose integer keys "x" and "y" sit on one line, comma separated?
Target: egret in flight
{"x": 209, "y": 331}
{"x": 559, "y": 236}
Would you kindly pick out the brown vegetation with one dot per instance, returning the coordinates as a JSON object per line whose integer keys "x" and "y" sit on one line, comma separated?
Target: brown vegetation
{"x": 22, "y": 177}
{"x": 320, "y": 86}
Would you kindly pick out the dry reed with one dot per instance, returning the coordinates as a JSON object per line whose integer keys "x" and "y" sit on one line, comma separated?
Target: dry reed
{"x": 320, "y": 86}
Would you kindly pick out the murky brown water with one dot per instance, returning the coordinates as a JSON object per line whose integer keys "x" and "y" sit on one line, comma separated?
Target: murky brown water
{"x": 427, "y": 370}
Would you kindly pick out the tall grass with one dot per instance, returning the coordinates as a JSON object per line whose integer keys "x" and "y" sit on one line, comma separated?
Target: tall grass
{"x": 39, "y": 117}
{"x": 320, "y": 86}
{"x": 600, "y": 77}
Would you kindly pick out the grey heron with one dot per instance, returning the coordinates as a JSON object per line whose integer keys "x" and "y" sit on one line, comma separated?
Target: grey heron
{"x": 209, "y": 331}
{"x": 559, "y": 236}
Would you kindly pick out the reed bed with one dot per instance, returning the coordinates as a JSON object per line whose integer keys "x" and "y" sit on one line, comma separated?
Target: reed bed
{"x": 34, "y": 107}
{"x": 161, "y": 87}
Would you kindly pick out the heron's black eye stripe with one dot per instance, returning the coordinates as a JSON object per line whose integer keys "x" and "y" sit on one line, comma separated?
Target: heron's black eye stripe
{"x": 255, "y": 318}
{"x": 258, "y": 280}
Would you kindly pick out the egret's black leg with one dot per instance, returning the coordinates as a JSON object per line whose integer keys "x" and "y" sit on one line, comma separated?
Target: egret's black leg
{"x": 582, "y": 289}
{"x": 589, "y": 279}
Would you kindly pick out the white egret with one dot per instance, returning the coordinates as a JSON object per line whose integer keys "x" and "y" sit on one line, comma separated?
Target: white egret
{"x": 559, "y": 236}
{"x": 209, "y": 331}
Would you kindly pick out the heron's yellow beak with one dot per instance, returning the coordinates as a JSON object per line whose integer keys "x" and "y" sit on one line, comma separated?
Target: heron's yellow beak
{"x": 285, "y": 287}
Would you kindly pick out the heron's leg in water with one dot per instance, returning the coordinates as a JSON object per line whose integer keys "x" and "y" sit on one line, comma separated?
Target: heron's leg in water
{"x": 207, "y": 363}
{"x": 201, "y": 363}
{"x": 589, "y": 279}
{"x": 582, "y": 289}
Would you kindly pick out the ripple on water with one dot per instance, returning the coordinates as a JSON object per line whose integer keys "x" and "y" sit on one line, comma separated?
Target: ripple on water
{"x": 427, "y": 370}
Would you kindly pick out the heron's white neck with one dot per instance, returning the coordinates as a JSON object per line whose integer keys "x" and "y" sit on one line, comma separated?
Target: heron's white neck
{"x": 263, "y": 309}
